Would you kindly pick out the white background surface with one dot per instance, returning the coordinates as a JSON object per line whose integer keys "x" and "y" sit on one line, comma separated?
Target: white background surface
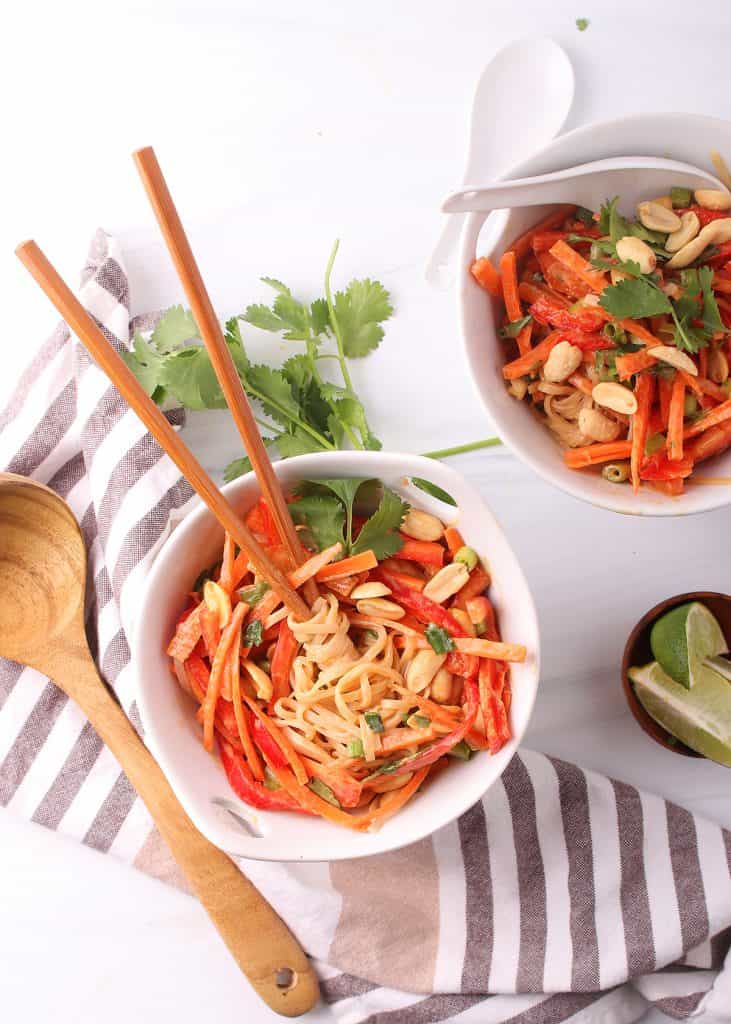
{"x": 281, "y": 126}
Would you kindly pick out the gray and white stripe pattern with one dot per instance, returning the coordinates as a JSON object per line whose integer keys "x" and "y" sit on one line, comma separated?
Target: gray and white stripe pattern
{"x": 562, "y": 896}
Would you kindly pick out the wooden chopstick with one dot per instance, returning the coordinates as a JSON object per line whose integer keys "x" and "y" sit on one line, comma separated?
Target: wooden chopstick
{"x": 223, "y": 364}
{"x": 126, "y": 383}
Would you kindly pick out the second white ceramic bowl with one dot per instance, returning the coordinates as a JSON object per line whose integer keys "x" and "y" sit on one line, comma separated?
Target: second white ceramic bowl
{"x": 168, "y": 715}
{"x": 684, "y": 137}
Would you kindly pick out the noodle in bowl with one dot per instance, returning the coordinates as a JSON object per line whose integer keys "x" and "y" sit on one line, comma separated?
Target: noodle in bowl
{"x": 348, "y": 666}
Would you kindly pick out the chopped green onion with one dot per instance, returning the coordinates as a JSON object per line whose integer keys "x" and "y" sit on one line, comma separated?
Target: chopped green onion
{"x": 252, "y": 595}
{"x": 269, "y": 781}
{"x": 420, "y": 721}
{"x": 462, "y": 751}
{"x": 253, "y": 633}
{"x": 615, "y": 333}
{"x": 681, "y": 197}
{"x": 513, "y": 329}
{"x": 582, "y": 24}
{"x": 439, "y": 639}
{"x": 616, "y": 472}
{"x": 436, "y": 492}
{"x": 355, "y": 748}
{"x": 374, "y": 721}
{"x": 654, "y": 444}
{"x": 690, "y": 405}
{"x": 537, "y": 277}
{"x": 467, "y": 556}
{"x": 319, "y": 787}
{"x": 585, "y": 216}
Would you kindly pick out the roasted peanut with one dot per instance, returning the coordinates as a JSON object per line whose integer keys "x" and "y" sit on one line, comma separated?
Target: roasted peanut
{"x": 366, "y": 590}
{"x": 446, "y": 582}
{"x": 665, "y": 201}
{"x": 464, "y": 620}
{"x": 598, "y": 427}
{"x": 689, "y": 228}
{"x": 634, "y": 249}
{"x": 380, "y": 608}
{"x": 655, "y": 217}
{"x": 421, "y": 525}
{"x": 563, "y": 359}
{"x": 616, "y": 397}
{"x": 713, "y": 199}
{"x": 217, "y": 601}
{"x": 422, "y": 669}
{"x": 674, "y": 357}
{"x": 518, "y": 388}
{"x": 262, "y": 682}
{"x": 718, "y": 369}
{"x": 441, "y": 686}
{"x": 717, "y": 231}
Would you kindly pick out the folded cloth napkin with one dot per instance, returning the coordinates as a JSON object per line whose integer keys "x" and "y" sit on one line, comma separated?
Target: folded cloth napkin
{"x": 563, "y": 895}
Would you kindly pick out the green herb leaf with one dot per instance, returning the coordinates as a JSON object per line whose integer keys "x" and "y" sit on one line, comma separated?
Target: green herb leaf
{"x": 436, "y": 492}
{"x": 374, "y": 721}
{"x": 461, "y": 750}
{"x": 145, "y": 363}
{"x": 582, "y": 24}
{"x": 174, "y": 328}
{"x": 252, "y": 595}
{"x": 421, "y": 721}
{"x": 253, "y": 633}
{"x": 323, "y": 517}
{"x": 513, "y": 329}
{"x": 634, "y": 299}
{"x": 322, "y": 790}
{"x": 380, "y": 532}
{"x": 270, "y": 781}
{"x": 585, "y": 216}
{"x": 439, "y": 639}
{"x": 355, "y": 748}
{"x": 360, "y": 311}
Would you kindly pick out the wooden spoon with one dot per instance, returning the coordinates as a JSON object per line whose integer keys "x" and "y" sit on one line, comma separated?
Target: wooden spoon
{"x": 42, "y": 579}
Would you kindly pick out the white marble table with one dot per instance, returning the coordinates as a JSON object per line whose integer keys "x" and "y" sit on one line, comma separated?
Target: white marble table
{"x": 283, "y": 126}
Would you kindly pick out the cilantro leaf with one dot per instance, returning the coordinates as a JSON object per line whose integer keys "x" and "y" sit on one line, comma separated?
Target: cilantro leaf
{"x": 174, "y": 328}
{"x": 611, "y": 221}
{"x": 254, "y": 633}
{"x": 634, "y": 299}
{"x": 277, "y": 285}
{"x": 513, "y": 329}
{"x": 239, "y": 467}
{"x": 322, "y": 516}
{"x": 274, "y": 392}
{"x": 439, "y": 639}
{"x": 360, "y": 311}
{"x": 380, "y": 532}
{"x": 297, "y": 442}
{"x": 582, "y": 24}
{"x": 145, "y": 363}
{"x": 188, "y": 375}
{"x": 319, "y": 316}
{"x": 709, "y": 312}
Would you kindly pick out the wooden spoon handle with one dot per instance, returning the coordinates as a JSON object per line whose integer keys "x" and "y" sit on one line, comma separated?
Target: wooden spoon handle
{"x": 260, "y": 942}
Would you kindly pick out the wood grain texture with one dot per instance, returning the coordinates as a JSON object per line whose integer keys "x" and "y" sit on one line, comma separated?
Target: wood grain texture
{"x": 223, "y": 364}
{"x": 140, "y": 402}
{"x": 42, "y": 578}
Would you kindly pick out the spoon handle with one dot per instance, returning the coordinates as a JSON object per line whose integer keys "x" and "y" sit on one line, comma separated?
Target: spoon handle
{"x": 437, "y": 271}
{"x": 258, "y": 939}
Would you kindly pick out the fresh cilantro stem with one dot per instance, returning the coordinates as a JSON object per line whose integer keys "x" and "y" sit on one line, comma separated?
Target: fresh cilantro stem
{"x": 444, "y": 453}
{"x": 333, "y": 318}
{"x": 320, "y": 438}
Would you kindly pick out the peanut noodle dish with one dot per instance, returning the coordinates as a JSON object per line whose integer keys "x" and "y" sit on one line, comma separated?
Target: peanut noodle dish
{"x": 618, "y": 333}
{"x": 398, "y": 671}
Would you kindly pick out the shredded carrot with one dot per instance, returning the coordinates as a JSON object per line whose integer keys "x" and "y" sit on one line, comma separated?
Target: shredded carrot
{"x": 691, "y": 383}
{"x": 453, "y": 539}
{"x": 644, "y": 392}
{"x": 596, "y": 279}
{"x": 708, "y": 387}
{"x": 722, "y": 284}
{"x": 395, "y": 800}
{"x": 282, "y": 661}
{"x": 250, "y": 751}
{"x": 665, "y": 390}
{"x": 593, "y": 454}
{"x": 313, "y": 565}
{"x": 484, "y": 272}
{"x": 581, "y": 383}
{"x": 216, "y": 679}
{"x": 226, "y": 575}
{"x": 347, "y": 566}
{"x": 522, "y": 244}
{"x": 530, "y": 292}
{"x": 477, "y": 584}
{"x": 703, "y": 362}
{"x": 436, "y": 711}
{"x": 494, "y": 649}
{"x": 639, "y": 331}
{"x": 532, "y": 360}
{"x": 187, "y": 635}
{"x": 675, "y": 419}
{"x": 402, "y": 739}
{"x": 509, "y": 278}
{"x": 711, "y": 419}
{"x": 712, "y": 442}
{"x": 312, "y": 802}
{"x": 426, "y": 552}
{"x": 634, "y": 362}
{"x": 282, "y": 740}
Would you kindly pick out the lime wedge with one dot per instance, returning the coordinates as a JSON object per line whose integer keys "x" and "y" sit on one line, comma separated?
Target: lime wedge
{"x": 700, "y": 717}
{"x": 683, "y": 637}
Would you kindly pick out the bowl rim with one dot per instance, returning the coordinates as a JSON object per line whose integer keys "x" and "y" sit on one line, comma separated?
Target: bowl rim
{"x": 645, "y": 721}
{"x": 397, "y": 465}
{"x": 714, "y": 497}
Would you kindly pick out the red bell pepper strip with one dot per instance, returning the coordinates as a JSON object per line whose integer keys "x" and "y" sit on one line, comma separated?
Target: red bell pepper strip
{"x": 587, "y": 342}
{"x": 284, "y": 655}
{"x": 187, "y": 634}
{"x": 444, "y": 745}
{"x": 243, "y": 784}
{"x": 494, "y": 715}
{"x": 198, "y": 675}
{"x": 426, "y": 552}
{"x": 211, "y": 630}
{"x": 704, "y": 216}
{"x": 589, "y": 318}
{"x": 346, "y": 789}
{"x": 660, "y": 467}
{"x": 266, "y": 743}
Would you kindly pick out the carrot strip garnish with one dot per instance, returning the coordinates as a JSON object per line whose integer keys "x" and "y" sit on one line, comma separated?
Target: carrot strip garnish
{"x": 593, "y": 454}
{"x": 402, "y": 739}
{"x": 692, "y": 383}
{"x": 282, "y": 660}
{"x": 712, "y": 442}
{"x": 226, "y": 575}
{"x": 312, "y": 802}
{"x": 596, "y": 279}
{"x": 282, "y": 740}
{"x": 250, "y": 751}
{"x": 530, "y": 292}
{"x": 187, "y": 635}
{"x": 582, "y": 383}
{"x": 532, "y": 360}
{"x": 644, "y": 392}
{"x": 634, "y": 362}
{"x": 484, "y": 272}
{"x": 509, "y": 278}
{"x": 313, "y": 565}
{"x": 494, "y": 649}
{"x": 711, "y": 419}
{"x": 436, "y": 711}
{"x": 395, "y": 800}
{"x": 664, "y": 390}
{"x": 453, "y": 539}
{"x": 639, "y": 331}
{"x": 347, "y": 566}
{"x": 675, "y": 419}
{"x": 216, "y": 679}
{"x": 478, "y": 582}
{"x": 707, "y": 387}
{"x": 426, "y": 552}
{"x": 522, "y": 244}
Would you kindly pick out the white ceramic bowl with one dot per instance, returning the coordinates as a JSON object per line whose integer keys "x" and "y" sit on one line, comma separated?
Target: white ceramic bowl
{"x": 684, "y": 137}
{"x": 174, "y": 737}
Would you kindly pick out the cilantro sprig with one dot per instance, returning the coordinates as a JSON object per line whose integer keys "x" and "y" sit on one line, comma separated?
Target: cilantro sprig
{"x": 325, "y": 508}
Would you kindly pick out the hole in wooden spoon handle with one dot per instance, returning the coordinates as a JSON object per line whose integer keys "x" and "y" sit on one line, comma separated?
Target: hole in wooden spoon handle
{"x": 286, "y": 979}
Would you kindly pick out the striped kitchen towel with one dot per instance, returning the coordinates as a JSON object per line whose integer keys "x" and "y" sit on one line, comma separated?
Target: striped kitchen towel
{"x": 561, "y": 896}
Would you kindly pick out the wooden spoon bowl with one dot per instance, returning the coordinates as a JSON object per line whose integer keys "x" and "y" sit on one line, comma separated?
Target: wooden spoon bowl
{"x": 42, "y": 577}
{"x": 637, "y": 651}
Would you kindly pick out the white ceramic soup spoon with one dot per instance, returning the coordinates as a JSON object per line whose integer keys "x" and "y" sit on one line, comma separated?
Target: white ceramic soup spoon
{"x": 529, "y": 84}
{"x": 632, "y": 178}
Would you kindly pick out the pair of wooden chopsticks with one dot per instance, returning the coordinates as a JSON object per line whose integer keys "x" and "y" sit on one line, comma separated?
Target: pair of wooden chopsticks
{"x": 126, "y": 383}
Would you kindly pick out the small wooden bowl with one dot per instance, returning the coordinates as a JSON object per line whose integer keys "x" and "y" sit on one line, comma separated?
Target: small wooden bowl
{"x": 637, "y": 652}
